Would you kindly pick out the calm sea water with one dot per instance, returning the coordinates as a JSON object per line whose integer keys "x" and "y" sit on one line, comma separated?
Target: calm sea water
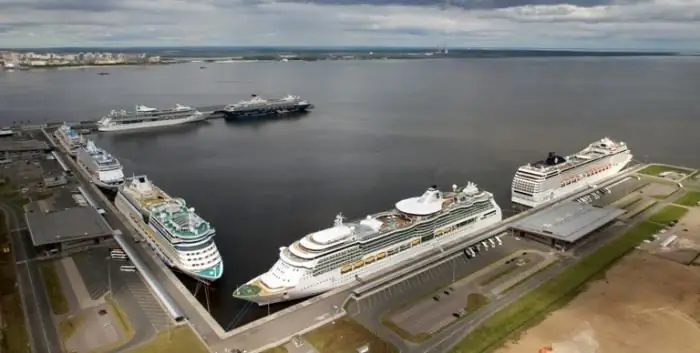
{"x": 381, "y": 131}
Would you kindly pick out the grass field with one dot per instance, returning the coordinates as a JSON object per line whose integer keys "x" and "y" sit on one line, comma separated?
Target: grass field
{"x": 178, "y": 339}
{"x": 14, "y": 332}
{"x": 345, "y": 336}
{"x": 67, "y": 327}
{"x": 504, "y": 272}
{"x": 656, "y": 169}
{"x": 690, "y": 199}
{"x": 668, "y": 214}
{"x": 533, "y": 307}
{"x": 58, "y": 302}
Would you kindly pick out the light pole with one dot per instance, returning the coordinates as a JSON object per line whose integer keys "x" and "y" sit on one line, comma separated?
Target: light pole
{"x": 109, "y": 275}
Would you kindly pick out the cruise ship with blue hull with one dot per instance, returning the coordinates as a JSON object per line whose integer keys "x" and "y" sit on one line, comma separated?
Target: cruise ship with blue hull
{"x": 257, "y": 108}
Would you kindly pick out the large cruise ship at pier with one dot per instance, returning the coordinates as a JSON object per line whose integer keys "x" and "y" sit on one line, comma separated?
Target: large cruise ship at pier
{"x": 144, "y": 117}
{"x": 104, "y": 169}
{"x": 180, "y": 237}
{"x": 335, "y": 256}
{"x": 258, "y": 107}
{"x": 556, "y": 177}
{"x": 69, "y": 139}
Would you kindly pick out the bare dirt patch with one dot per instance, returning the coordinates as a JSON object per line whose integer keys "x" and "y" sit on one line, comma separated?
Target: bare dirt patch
{"x": 645, "y": 304}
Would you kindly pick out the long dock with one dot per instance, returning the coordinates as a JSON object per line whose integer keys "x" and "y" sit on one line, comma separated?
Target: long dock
{"x": 280, "y": 327}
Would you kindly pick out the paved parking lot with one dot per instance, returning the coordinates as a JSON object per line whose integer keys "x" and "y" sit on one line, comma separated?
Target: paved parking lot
{"x": 434, "y": 278}
{"x": 143, "y": 309}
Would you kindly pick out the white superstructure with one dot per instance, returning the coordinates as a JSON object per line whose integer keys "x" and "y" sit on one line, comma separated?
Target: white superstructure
{"x": 180, "y": 237}
{"x": 557, "y": 177}
{"x": 105, "y": 169}
{"x": 144, "y": 117}
{"x": 336, "y": 256}
{"x": 69, "y": 139}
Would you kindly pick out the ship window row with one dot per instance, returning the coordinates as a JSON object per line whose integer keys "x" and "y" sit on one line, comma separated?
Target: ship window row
{"x": 395, "y": 238}
{"x": 429, "y": 227}
{"x": 336, "y": 261}
{"x": 588, "y": 173}
{"x": 201, "y": 246}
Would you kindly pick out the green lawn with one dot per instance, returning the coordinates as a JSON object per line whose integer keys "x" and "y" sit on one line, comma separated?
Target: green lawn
{"x": 475, "y": 301}
{"x": 502, "y": 273}
{"x": 691, "y": 199}
{"x": 532, "y": 307}
{"x": 668, "y": 214}
{"x": 345, "y": 336}
{"x": 178, "y": 339}
{"x": 58, "y": 302}
{"x": 656, "y": 169}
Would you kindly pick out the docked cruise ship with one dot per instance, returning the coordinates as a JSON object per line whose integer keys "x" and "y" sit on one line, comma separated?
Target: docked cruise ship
{"x": 69, "y": 139}
{"x": 258, "y": 107}
{"x": 336, "y": 256}
{"x": 556, "y": 177}
{"x": 104, "y": 169}
{"x": 144, "y": 117}
{"x": 180, "y": 237}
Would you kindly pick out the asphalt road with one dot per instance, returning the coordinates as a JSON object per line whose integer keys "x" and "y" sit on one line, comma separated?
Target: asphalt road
{"x": 42, "y": 333}
{"x": 370, "y": 309}
{"x": 444, "y": 340}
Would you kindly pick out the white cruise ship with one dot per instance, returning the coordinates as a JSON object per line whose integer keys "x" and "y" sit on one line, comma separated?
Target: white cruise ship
{"x": 556, "y": 177}
{"x": 144, "y": 117}
{"x": 69, "y": 139}
{"x": 181, "y": 238}
{"x": 336, "y": 256}
{"x": 104, "y": 169}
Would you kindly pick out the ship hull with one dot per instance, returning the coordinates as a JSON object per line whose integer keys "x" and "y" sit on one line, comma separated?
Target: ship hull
{"x": 96, "y": 180}
{"x": 66, "y": 147}
{"x": 265, "y": 112}
{"x": 335, "y": 279}
{"x": 545, "y": 196}
{"x": 136, "y": 217}
{"x": 151, "y": 124}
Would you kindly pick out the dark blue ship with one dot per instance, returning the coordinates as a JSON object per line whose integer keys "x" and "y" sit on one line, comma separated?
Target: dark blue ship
{"x": 260, "y": 108}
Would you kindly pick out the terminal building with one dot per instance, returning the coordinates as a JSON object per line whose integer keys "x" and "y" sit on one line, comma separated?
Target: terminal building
{"x": 565, "y": 225}
{"x": 66, "y": 223}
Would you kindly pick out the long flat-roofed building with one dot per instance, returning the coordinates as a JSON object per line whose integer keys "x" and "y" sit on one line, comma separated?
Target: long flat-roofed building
{"x": 565, "y": 224}
{"x": 63, "y": 224}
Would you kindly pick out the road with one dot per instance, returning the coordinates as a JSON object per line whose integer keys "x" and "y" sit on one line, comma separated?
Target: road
{"x": 35, "y": 303}
{"x": 447, "y": 338}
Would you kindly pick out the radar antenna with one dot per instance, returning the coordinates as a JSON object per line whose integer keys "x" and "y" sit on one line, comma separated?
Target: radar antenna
{"x": 339, "y": 220}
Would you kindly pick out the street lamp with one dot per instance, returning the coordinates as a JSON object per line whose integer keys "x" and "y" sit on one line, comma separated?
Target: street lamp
{"x": 109, "y": 275}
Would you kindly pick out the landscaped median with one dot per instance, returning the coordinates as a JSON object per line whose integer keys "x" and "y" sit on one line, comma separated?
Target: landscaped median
{"x": 690, "y": 199}
{"x": 346, "y": 336}
{"x": 656, "y": 169}
{"x": 668, "y": 214}
{"x": 58, "y": 302}
{"x": 13, "y": 331}
{"x": 534, "y": 306}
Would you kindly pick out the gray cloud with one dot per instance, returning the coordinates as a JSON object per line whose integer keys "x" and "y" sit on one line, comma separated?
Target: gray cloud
{"x": 64, "y": 5}
{"x": 462, "y": 4}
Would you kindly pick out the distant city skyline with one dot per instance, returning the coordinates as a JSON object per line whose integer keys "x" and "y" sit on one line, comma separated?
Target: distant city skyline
{"x": 543, "y": 24}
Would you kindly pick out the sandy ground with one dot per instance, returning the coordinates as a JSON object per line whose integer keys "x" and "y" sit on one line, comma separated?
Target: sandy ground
{"x": 645, "y": 305}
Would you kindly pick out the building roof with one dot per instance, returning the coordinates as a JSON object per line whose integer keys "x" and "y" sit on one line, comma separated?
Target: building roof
{"x": 64, "y": 225}
{"x": 23, "y": 145}
{"x": 569, "y": 221}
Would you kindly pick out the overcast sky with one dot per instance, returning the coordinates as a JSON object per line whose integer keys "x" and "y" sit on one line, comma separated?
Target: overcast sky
{"x": 598, "y": 24}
